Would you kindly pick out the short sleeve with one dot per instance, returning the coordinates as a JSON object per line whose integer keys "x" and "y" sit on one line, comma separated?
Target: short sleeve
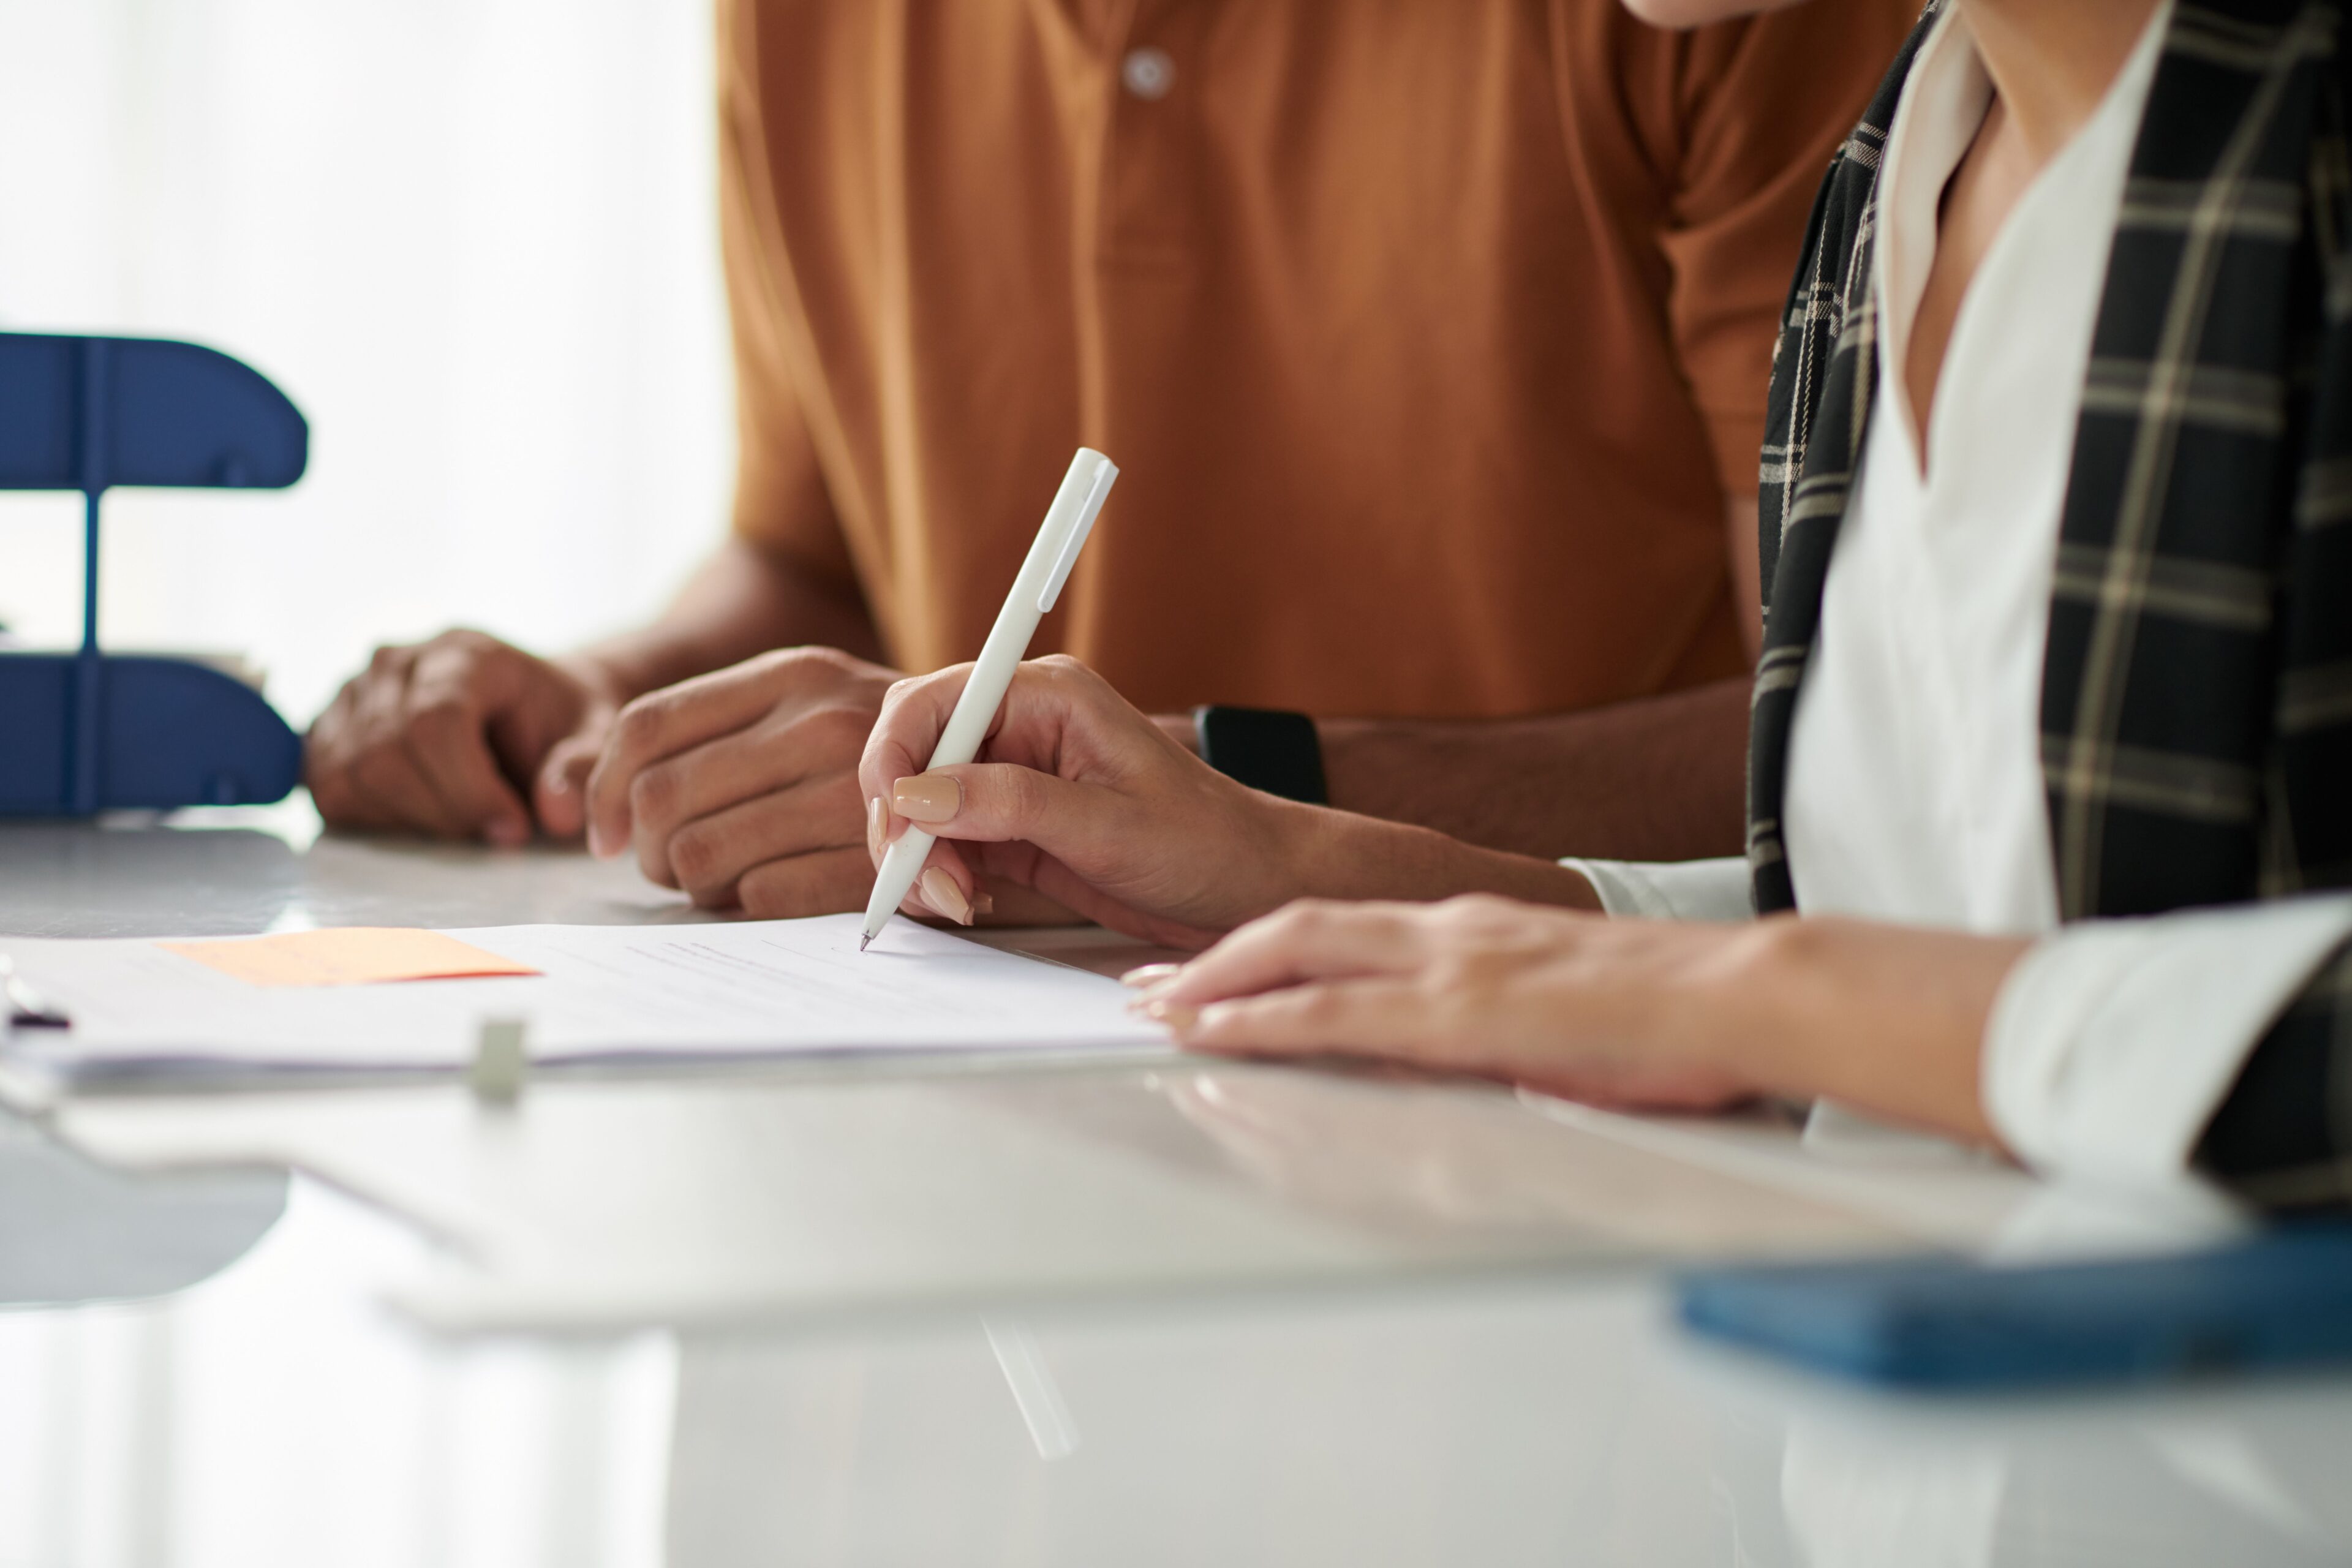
{"x": 782, "y": 502}
{"x": 1764, "y": 104}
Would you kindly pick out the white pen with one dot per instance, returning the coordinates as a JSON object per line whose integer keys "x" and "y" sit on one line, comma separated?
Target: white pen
{"x": 1060, "y": 539}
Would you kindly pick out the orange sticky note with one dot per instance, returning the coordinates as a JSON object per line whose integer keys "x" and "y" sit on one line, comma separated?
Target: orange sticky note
{"x": 346, "y": 956}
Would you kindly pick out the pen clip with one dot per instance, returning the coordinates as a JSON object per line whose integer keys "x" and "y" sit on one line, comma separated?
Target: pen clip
{"x": 1084, "y": 525}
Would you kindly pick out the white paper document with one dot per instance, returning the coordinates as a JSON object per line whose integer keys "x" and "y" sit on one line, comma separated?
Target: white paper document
{"x": 603, "y": 993}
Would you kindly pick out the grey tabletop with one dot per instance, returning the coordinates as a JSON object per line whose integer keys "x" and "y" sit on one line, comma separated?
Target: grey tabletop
{"x": 981, "y": 1312}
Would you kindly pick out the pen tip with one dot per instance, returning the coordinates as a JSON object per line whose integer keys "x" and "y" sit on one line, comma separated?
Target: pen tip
{"x": 862, "y": 941}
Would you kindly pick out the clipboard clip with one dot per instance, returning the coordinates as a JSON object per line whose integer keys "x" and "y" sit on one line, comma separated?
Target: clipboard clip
{"x": 27, "y": 1008}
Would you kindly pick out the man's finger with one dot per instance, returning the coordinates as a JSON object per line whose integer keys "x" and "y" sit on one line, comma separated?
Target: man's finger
{"x": 446, "y": 740}
{"x": 392, "y": 788}
{"x": 326, "y": 761}
{"x": 742, "y": 768}
{"x": 560, "y": 794}
{"x": 710, "y": 854}
{"x": 829, "y": 882}
{"x": 661, "y": 724}
{"x": 506, "y": 697}
{"x": 393, "y": 793}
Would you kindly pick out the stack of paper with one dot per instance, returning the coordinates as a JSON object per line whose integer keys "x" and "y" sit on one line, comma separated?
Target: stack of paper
{"x": 381, "y": 1000}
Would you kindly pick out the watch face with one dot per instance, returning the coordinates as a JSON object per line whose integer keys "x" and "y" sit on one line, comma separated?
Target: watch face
{"x": 1277, "y": 753}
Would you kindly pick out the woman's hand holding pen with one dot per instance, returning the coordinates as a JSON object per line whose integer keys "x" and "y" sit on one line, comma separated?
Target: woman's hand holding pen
{"x": 1080, "y": 797}
{"x": 1088, "y": 801}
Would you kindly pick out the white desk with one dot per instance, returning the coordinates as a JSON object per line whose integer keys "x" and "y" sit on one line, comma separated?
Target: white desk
{"x": 1239, "y": 1316}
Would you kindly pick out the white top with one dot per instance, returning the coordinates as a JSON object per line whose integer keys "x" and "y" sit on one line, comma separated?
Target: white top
{"x": 1914, "y": 784}
{"x": 1914, "y": 790}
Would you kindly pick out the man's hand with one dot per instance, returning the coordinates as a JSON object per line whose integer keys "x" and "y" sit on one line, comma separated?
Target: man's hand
{"x": 741, "y": 786}
{"x": 446, "y": 737}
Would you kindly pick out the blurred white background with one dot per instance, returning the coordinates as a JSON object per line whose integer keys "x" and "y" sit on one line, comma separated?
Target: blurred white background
{"x": 473, "y": 239}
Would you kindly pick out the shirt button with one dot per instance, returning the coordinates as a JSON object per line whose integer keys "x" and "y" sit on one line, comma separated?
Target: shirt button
{"x": 1147, "y": 73}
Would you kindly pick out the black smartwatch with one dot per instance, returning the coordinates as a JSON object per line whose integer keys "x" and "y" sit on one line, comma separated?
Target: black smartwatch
{"x": 1277, "y": 753}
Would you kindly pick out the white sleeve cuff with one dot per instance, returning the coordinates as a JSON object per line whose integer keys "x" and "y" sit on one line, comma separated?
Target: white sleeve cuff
{"x": 1670, "y": 889}
{"x": 2113, "y": 1042}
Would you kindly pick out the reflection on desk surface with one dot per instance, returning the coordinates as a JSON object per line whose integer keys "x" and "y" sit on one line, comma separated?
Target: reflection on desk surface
{"x": 1504, "y": 1427}
{"x": 819, "y": 1197}
{"x": 1452, "y": 1167}
{"x": 238, "y": 871}
{"x": 138, "y": 879}
{"x": 74, "y": 1231}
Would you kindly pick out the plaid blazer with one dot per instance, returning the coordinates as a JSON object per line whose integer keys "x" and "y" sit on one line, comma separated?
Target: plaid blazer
{"x": 2197, "y": 686}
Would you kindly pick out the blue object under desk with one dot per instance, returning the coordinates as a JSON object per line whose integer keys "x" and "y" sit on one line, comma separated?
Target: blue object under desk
{"x": 2283, "y": 1298}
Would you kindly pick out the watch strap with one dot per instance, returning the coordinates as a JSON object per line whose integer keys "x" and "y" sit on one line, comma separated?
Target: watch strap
{"x": 1265, "y": 749}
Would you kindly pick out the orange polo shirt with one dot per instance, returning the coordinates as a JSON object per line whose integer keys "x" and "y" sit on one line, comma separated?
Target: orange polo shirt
{"x": 1429, "y": 336}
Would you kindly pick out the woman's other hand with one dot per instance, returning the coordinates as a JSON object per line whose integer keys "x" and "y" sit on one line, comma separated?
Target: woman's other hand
{"x": 1645, "y": 1014}
{"x": 1574, "y": 1004}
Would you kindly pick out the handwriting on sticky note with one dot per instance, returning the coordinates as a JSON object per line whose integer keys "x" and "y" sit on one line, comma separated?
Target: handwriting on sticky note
{"x": 346, "y": 956}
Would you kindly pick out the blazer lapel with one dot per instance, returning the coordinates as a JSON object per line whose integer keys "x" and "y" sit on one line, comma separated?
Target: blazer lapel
{"x": 1824, "y": 370}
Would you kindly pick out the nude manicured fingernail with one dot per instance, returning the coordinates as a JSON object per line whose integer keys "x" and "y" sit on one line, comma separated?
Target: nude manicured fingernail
{"x": 984, "y": 903}
{"x": 877, "y": 827}
{"x": 927, "y": 797}
{"x": 939, "y": 891}
{"x": 596, "y": 843}
{"x": 1175, "y": 1014}
{"x": 1150, "y": 975}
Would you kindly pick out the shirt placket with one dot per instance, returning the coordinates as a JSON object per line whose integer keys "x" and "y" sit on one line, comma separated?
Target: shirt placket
{"x": 1152, "y": 141}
